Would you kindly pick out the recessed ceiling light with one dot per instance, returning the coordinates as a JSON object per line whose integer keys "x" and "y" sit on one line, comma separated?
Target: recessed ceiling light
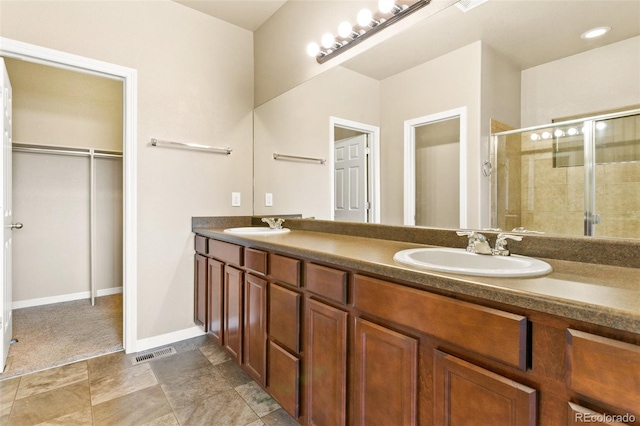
{"x": 595, "y": 32}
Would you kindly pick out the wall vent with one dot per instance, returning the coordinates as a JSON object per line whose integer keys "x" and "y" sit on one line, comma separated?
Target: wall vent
{"x": 467, "y": 5}
{"x": 160, "y": 353}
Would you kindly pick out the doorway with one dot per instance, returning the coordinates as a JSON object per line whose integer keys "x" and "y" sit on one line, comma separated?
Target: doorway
{"x": 355, "y": 176}
{"x": 32, "y": 53}
{"x": 435, "y": 170}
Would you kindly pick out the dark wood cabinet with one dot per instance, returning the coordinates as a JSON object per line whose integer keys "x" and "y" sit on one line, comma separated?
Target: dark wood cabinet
{"x": 385, "y": 388}
{"x": 233, "y": 312}
{"x": 284, "y": 378}
{"x": 215, "y": 299}
{"x": 200, "y": 291}
{"x": 467, "y": 395}
{"x": 326, "y": 364}
{"x": 254, "y": 356}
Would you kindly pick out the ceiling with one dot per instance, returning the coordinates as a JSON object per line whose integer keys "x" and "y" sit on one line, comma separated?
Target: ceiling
{"x": 248, "y": 14}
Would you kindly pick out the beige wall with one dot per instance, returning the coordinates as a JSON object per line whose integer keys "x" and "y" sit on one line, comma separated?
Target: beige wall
{"x": 195, "y": 83}
{"x": 573, "y": 85}
{"x": 297, "y": 123}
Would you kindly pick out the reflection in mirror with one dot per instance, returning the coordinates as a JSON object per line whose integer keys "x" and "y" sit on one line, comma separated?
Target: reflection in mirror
{"x": 496, "y": 60}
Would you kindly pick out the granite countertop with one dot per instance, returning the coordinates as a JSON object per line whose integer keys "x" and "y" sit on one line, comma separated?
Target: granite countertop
{"x": 600, "y": 294}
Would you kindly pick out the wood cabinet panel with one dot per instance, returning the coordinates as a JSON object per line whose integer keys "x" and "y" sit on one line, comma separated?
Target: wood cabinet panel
{"x": 385, "y": 376}
{"x": 284, "y": 379}
{"x": 254, "y": 353}
{"x": 200, "y": 244}
{"x": 604, "y": 369}
{"x": 327, "y": 282}
{"x": 284, "y": 317}
{"x": 467, "y": 395}
{"x": 489, "y": 332}
{"x": 215, "y": 300}
{"x": 579, "y": 416}
{"x": 326, "y": 364}
{"x": 256, "y": 260}
{"x": 227, "y": 252}
{"x": 284, "y": 269}
{"x": 232, "y": 324}
{"x": 200, "y": 292}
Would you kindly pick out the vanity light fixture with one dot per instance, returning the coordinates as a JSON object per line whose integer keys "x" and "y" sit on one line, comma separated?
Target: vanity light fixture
{"x": 595, "y": 33}
{"x": 368, "y": 24}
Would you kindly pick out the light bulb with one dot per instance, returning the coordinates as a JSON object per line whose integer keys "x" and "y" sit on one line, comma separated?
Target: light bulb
{"x": 572, "y": 131}
{"x": 558, "y": 133}
{"x": 595, "y": 32}
{"x": 345, "y": 29}
{"x": 364, "y": 17}
{"x": 313, "y": 49}
{"x": 535, "y": 137}
{"x": 546, "y": 135}
{"x": 327, "y": 40}
{"x": 386, "y": 6}
{"x": 601, "y": 125}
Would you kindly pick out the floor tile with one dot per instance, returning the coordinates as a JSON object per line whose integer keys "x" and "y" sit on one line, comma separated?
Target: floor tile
{"x": 115, "y": 361}
{"x": 140, "y": 407}
{"x": 179, "y": 366}
{"x": 184, "y": 393}
{"x": 50, "y": 405}
{"x": 80, "y": 418}
{"x": 53, "y": 378}
{"x": 259, "y": 401}
{"x": 8, "y": 391}
{"x": 279, "y": 418}
{"x": 116, "y": 383}
{"x": 233, "y": 373}
{"x": 166, "y": 420}
{"x": 215, "y": 354}
{"x": 223, "y": 409}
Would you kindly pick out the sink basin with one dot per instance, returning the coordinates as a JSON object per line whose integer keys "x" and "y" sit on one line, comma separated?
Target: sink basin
{"x": 460, "y": 261}
{"x": 256, "y": 230}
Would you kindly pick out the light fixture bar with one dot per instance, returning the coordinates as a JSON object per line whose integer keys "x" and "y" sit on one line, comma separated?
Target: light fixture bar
{"x": 324, "y": 57}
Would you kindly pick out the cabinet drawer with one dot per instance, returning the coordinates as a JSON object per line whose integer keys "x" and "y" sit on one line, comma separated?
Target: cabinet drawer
{"x": 284, "y": 269}
{"x": 201, "y": 244}
{"x": 227, "y": 252}
{"x": 284, "y": 318}
{"x": 284, "y": 378}
{"x": 604, "y": 369}
{"x": 496, "y": 334}
{"x": 328, "y": 282}
{"x": 256, "y": 260}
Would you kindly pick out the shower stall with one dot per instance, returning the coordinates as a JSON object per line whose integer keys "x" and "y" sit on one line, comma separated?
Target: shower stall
{"x": 576, "y": 177}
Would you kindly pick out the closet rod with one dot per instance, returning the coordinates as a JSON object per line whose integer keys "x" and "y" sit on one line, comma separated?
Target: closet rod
{"x": 77, "y": 152}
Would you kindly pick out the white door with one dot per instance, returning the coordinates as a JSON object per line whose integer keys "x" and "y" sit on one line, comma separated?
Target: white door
{"x": 350, "y": 168}
{"x": 5, "y": 208}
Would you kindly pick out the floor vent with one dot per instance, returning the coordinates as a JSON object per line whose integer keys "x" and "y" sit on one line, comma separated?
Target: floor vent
{"x": 160, "y": 353}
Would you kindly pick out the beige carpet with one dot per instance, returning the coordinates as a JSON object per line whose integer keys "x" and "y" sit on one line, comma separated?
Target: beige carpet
{"x": 61, "y": 333}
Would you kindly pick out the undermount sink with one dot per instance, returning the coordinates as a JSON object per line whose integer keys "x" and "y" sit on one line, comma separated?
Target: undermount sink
{"x": 460, "y": 261}
{"x": 256, "y": 230}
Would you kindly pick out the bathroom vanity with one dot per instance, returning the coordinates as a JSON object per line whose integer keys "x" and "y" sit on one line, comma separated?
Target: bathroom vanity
{"x": 339, "y": 333}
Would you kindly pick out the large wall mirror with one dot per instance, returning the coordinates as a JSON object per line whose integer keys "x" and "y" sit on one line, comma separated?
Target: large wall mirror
{"x": 427, "y": 96}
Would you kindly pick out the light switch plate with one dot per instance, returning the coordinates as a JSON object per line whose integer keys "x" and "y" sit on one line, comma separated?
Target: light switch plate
{"x": 268, "y": 199}
{"x": 235, "y": 199}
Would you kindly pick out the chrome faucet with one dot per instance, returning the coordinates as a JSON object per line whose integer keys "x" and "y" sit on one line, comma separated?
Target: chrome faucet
{"x": 501, "y": 244}
{"x": 273, "y": 222}
{"x": 476, "y": 243}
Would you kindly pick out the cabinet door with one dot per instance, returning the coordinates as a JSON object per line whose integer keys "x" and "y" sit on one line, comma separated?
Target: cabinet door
{"x": 215, "y": 305}
{"x": 466, "y": 394}
{"x": 232, "y": 324}
{"x": 255, "y": 327}
{"x": 326, "y": 364}
{"x": 284, "y": 378}
{"x": 200, "y": 292}
{"x": 388, "y": 395}
{"x": 284, "y": 317}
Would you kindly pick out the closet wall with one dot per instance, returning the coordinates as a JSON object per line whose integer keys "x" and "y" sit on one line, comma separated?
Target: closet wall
{"x": 51, "y": 193}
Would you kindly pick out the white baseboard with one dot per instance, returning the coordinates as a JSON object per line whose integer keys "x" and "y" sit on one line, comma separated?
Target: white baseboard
{"x": 165, "y": 339}
{"x": 63, "y": 298}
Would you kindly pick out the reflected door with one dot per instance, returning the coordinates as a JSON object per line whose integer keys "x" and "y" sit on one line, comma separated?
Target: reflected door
{"x": 350, "y": 170}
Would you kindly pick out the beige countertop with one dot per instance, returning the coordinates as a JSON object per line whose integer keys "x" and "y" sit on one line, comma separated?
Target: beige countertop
{"x": 599, "y": 294}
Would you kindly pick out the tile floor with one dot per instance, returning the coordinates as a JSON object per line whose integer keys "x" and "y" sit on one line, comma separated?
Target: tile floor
{"x": 199, "y": 385}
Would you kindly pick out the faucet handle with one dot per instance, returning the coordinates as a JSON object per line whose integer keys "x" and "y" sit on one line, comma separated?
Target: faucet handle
{"x": 274, "y": 223}
{"x": 501, "y": 243}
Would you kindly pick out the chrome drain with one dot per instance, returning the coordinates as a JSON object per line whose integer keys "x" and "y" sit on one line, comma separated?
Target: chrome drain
{"x": 160, "y": 353}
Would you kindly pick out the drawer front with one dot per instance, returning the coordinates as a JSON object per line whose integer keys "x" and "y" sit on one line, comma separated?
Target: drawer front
{"x": 284, "y": 377}
{"x": 496, "y": 334}
{"x": 284, "y": 318}
{"x": 604, "y": 369}
{"x": 201, "y": 244}
{"x": 327, "y": 282}
{"x": 227, "y": 252}
{"x": 256, "y": 260}
{"x": 284, "y": 269}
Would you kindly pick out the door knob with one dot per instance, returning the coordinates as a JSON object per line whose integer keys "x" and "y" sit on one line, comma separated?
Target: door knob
{"x": 16, "y": 225}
